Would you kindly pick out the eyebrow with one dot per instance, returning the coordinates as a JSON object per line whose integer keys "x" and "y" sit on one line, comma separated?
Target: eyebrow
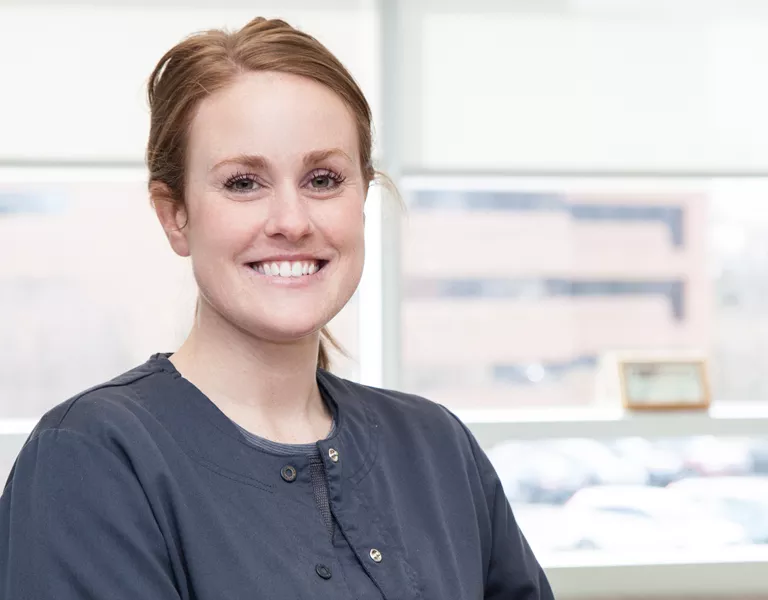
{"x": 253, "y": 161}
{"x": 321, "y": 155}
{"x": 256, "y": 161}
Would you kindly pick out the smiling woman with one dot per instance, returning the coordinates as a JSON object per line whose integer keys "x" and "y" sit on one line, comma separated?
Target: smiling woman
{"x": 238, "y": 465}
{"x": 273, "y": 175}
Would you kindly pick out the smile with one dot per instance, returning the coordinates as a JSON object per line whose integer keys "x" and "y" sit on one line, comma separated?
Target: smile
{"x": 286, "y": 269}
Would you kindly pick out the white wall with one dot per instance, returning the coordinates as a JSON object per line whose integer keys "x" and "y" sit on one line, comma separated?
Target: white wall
{"x": 585, "y": 84}
{"x": 74, "y": 77}
{"x": 589, "y": 85}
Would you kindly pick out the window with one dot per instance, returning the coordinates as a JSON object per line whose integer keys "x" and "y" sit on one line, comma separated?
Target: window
{"x": 550, "y": 275}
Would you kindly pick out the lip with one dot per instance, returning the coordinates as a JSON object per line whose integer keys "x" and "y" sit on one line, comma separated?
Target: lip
{"x": 288, "y": 258}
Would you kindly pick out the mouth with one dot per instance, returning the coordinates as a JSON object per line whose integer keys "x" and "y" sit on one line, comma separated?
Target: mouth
{"x": 288, "y": 269}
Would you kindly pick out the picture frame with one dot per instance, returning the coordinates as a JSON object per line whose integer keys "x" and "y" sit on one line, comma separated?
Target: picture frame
{"x": 664, "y": 383}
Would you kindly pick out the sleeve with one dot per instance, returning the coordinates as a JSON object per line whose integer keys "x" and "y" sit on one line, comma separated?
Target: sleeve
{"x": 513, "y": 573}
{"x": 75, "y": 524}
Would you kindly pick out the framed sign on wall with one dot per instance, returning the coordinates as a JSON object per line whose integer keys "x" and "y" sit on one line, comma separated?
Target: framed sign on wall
{"x": 664, "y": 383}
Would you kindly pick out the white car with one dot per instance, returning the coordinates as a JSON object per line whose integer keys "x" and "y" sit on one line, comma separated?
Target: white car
{"x": 664, "y": 466}
{"x": 743, "y": 500}
{"x": 629, "y": 518}
{"x": 712, "y": 456}
{"x": 604, "y": 465}
{"x": 530, "y": 472}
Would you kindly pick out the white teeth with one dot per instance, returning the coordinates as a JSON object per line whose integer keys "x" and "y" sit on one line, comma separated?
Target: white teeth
{"x": 288, "y": 269}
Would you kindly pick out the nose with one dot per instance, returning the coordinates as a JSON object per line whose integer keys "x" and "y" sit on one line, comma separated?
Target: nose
{"x": 288, "y": 215}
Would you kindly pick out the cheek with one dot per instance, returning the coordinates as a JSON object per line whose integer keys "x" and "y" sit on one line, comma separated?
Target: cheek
{"x": 352, "y": 237}
{"x": 340, "y": 222}
{"x": 356, "y": 252}
{"x": 219, "y": 234}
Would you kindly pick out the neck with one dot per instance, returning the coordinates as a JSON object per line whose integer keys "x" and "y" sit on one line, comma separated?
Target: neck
{"x": 267, "y": 388}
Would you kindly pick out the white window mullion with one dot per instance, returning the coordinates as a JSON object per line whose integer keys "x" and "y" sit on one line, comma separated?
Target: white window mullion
{"x": 371, "y": 310}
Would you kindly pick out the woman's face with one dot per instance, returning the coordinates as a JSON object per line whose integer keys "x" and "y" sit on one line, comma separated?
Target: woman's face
{"x": 274, "y": 203}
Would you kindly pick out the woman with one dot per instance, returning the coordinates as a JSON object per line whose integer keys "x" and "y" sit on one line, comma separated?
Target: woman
{"x": 238, "y": 466}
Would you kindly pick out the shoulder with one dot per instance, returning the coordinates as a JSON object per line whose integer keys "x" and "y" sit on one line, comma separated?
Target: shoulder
{"x": 111, "y": 409}
{"x": 390, "y": 404}
{"x": 98, "y": 431}
{"x": 407, "y": 416}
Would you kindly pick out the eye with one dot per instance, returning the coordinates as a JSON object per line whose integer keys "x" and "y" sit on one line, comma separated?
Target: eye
{"x": 242, "y": 182}
{"x": 324, "y": 179}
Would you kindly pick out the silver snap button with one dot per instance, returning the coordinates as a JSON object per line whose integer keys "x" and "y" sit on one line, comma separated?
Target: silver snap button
{"x": 288, "y": 473}
{"x": 376, "y": 555}
{"x": 333, "y": 455}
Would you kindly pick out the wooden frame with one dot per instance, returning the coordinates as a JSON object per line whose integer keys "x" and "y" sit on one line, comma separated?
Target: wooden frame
{"x": 671, "y": 369}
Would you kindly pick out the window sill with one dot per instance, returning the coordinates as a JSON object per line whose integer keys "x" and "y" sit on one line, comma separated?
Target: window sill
{"x": 729, "y": 419}
{"x": 735, "y": 573}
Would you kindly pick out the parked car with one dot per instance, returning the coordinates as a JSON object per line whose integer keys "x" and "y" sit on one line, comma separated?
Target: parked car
{"x": 712, "y": 456}
{"x": 743, "y": 500}
{"x": 605, "y": 467}
{"x": 759, "y": 449}
{"x": 664, "y": 466}
{"x": 630, "y": 518}
{"x": 532, "y": 473}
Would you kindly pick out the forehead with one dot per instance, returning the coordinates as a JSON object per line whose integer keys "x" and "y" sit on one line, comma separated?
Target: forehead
{"x": 278, "y": 115}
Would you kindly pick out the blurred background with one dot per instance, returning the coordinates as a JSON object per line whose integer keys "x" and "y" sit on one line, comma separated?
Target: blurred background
{"x": 580, "y": 177}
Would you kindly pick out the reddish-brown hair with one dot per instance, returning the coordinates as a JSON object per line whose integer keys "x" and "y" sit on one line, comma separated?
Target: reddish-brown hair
{"x": 209, "y": 61}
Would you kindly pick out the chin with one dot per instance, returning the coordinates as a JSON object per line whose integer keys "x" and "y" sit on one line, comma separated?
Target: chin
{"x": 285, "y": 330}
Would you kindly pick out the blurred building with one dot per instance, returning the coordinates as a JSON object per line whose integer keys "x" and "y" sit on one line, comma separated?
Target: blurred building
{"x": 510, "y": 298}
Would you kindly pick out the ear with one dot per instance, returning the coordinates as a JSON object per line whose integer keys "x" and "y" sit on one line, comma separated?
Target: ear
{"x": 172, "y": 215}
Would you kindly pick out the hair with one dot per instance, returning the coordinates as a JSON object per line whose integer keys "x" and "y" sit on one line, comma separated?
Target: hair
{"x": 211, "y": 60}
